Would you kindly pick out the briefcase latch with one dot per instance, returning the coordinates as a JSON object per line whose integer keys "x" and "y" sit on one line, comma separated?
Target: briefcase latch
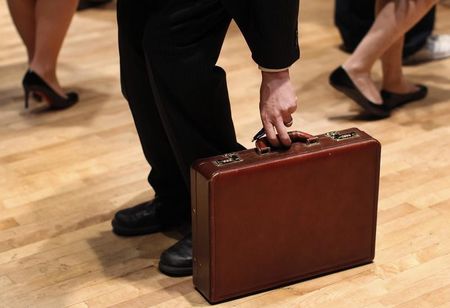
{"x": 230, "y": 158}
{"x": 338, "y": 136}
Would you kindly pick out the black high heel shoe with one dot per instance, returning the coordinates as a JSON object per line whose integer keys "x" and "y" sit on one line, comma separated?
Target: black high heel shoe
{"x": 341, "y": 81}
{"x": 36, "y": 97}
{"x": 33, "y": 83}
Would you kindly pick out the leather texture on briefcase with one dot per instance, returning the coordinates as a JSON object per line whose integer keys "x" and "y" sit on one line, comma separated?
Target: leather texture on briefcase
{"x": 264, "y": 220}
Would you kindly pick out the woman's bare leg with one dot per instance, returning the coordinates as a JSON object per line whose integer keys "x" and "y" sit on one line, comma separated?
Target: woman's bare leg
{"x": 22, "y": 13}
{"x": 394, "y": 18}
{"x": 393, "y": 78}
{"x": 53, "y": 18}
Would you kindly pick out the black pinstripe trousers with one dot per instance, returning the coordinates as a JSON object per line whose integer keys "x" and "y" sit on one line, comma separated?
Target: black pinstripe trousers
{"x": 177, "y": 95}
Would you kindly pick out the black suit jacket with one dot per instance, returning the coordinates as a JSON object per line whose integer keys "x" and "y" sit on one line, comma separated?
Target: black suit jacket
{"x": 270, "y": 29}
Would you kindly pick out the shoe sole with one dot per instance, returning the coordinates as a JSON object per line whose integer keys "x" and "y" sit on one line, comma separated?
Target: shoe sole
{"x": 117, "y": 229}
{"x": 174, "y": 271}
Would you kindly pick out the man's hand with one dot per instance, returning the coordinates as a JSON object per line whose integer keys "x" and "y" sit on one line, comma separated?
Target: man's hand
{"x": 277, "y": 102}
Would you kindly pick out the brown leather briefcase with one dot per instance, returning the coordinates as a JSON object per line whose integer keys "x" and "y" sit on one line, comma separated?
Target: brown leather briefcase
{"x": 263, "y": 218}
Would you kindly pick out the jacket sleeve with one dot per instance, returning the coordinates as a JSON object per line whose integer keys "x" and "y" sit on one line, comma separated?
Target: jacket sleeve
{"x": 270, "y": 29}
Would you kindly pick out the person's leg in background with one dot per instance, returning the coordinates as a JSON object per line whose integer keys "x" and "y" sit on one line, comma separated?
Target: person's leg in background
{"x": 396, "y": 89}
{"x": 42, "y": 25}
{"x": 354, "y": 19}
{"x": 422, "y": 46}
{"x": 393, "y": 78}
{"x": 23, "y": 16}
{"x": 416, "y": 38}
{"x": 384, "y": 40}
{"x": 179, "y": 100}
{"x": 53, "y": 18}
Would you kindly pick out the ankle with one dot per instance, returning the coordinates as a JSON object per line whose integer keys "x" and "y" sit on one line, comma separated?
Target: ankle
{"x": 47, "y": 73}
{"x": 356, "y": 69}
{"x": 392, "y": 86}
{"x": 398, "y": 86}
{"x": 49, "y": 76}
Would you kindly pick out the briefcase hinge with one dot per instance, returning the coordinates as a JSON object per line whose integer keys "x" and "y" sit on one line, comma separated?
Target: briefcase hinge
{"x": 230, "y": 158}
{"x": 341, "y": 136}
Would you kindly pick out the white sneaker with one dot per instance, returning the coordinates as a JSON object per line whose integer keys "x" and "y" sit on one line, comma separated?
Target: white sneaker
{"x": 436, "y": 48}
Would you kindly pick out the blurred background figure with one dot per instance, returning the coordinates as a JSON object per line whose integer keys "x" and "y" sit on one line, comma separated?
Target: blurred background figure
{"x": 87, "y": 4}
{"x": 42, "y": 25}
{"x": 385, "y": 41}
{"x": 354, "y": 19}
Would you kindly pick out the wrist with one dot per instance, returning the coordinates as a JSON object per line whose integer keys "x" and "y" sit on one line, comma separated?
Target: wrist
{"x": 284, "y": 74}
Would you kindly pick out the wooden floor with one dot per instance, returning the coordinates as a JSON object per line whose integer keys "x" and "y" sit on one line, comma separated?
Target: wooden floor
{"x": 64, "y": 174}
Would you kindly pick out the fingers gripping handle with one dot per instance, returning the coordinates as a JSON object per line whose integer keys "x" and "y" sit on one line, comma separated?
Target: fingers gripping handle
{"x": 263, "y": 146}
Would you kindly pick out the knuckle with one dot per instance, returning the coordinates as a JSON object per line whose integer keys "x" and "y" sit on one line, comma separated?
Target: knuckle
{"x": 293, "y": 109}
{"x": 265, "y": 118}
{"x": 274, "y": 142}
{"x": 275, "y": 115}
{"x": 267, "y": 114}
{"x": 286, "y": 140}
{"x": 285, "y": 109}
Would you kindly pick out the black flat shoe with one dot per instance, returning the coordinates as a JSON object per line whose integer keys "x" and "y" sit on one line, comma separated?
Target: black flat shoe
{"x": 394, "y": 100}
{"x": 33, "y": 83}
{"x": 150, "y": 217}
{"x": 341, "y": 81}
{"x": 176, "y": 261}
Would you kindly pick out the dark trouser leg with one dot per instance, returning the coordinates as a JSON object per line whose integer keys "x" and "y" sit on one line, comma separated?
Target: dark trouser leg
{"x": 165, "y": 176}
{"x": 182, "y": 44}
{"x": 354, "y": 19}
{"x": 168, "y": 51}
{"x": 416, "y": 38}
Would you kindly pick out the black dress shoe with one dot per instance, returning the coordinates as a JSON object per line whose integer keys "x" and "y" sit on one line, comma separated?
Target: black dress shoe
{"x": 341, "y": 81}
{"x": 147, "y": 218}
{"x": 176, "y": 261}
{"x": 394, "y": 100}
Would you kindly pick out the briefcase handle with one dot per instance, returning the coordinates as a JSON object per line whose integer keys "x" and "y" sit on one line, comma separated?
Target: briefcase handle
{"x": 263, "y": 146}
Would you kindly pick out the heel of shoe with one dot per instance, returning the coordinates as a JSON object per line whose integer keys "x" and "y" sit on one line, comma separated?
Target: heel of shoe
{"x": 32, "y": 82}
{"x": 27, "y": 97}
